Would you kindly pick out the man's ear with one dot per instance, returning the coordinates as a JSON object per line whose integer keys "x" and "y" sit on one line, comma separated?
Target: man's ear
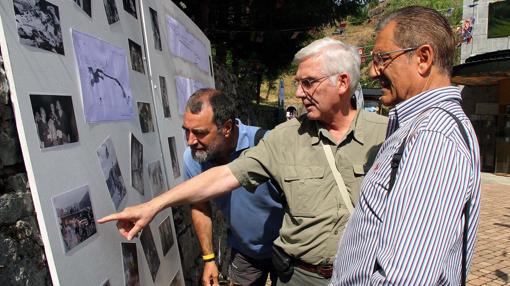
{"x": 425, "y": 58}
{"x": 227, "y": 128}
{"x": 343, "y": 82}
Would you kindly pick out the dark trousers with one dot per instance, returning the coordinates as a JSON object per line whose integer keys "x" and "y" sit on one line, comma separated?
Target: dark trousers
{"x": 244, "y": 270}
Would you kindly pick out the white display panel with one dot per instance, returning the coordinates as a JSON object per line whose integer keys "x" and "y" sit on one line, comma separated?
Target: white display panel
{"x": 83, "y": 171}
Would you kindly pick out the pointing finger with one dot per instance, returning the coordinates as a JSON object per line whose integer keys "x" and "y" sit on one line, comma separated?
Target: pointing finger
{"x": 108, "y": 218}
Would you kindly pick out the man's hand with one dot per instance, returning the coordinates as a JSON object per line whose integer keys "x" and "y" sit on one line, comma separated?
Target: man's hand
{"x": 210, "y": 275}
{"x": 132, "y": 219}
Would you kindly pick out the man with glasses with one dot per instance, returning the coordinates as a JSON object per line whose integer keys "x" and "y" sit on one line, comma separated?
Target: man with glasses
{"x": 416, "y": 220}
{"x": 293, "y": 156}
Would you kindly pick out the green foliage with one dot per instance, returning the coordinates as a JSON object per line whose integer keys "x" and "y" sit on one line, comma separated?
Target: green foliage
{"x": 259, "y": 38}
{"x": 499, "y": 20}
{"x": 361, "y": 14}
{"x": 439, "y": 5}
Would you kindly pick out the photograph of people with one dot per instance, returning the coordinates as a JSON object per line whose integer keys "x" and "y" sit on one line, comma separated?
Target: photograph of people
{"x": 54, "y": 119}
{"x": 111, "y": 11}
{"x": 137, "y": 164}
{"x": 157, "y": 180}
{"x": 135, "y": 51}
{"x": 130, "y": 263}
{"x": 145, "y": 116}
{"x": 149, "y": 248}
{"x": 165, "y": 233}
{"x": 75, "y": 216}
{"x": 130, "y": 7}
{"x": 173, "y": 153}
{"x": 111, "y": 171}
{"x": 164, "y": 97}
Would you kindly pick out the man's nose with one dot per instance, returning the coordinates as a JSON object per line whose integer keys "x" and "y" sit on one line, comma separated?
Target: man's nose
{"x": 300, "y": 92}
{"x": 373, "y": 71}
{"x": 192, "y": 139}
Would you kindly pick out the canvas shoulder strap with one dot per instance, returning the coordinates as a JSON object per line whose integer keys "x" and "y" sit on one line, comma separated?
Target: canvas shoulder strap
{"x": 338, "y": 178}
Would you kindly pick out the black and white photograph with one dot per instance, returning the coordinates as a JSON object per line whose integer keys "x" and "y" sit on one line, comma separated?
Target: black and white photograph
{"x": 145, "y": 115}
{"x": 155, "y": 29}
{"x": 111, "y": 11}
{"x": 75, "y": 217}
{"x": 106, "y": 283}
{"x": 130, "y": 264}
{"x": 164, "y": 97}
{"x": 111, "y": 171}
{"x": 165, "y": 233}
{"x": 157, "y": 181}
{"x": 149, "y": 248}
{"x": 104, "y": 79}
{"x": 54, "y": 120}
{"x": 173, "y": 153}
{"x": 137, "y": 164}
{"x": 85, "y": 5}
{"x": 130, "y": 7}
{"x": 38, "y": 23}
{"x": 135, "y": 51}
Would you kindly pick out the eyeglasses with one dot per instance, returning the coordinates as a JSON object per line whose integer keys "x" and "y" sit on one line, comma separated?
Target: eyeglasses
{"x": 379, "y": 59}
{"x": 309, "y": 82}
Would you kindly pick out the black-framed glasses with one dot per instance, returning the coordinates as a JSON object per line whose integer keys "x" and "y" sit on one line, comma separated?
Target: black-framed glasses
{"x": 379, "y": 59}
{"x": 308, "y": 82}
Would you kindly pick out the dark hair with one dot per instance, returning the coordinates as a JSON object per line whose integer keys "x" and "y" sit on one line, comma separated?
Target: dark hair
{"x": 418, "y": 25}
{"x": 222, "y": 105}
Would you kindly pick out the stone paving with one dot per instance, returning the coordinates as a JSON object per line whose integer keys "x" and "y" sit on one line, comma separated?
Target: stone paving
{"x": 491, "y": 263}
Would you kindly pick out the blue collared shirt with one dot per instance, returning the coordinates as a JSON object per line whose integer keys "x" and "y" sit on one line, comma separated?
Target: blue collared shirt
{"x": 414, "y": 233}
{"x": 255, "y": 218}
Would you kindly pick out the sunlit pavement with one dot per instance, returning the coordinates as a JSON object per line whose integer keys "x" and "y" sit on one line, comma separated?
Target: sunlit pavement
{"x": 491, "y": 264}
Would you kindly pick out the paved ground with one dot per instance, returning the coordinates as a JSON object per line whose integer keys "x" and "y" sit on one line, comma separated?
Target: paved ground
{"x": 491, "y": 264}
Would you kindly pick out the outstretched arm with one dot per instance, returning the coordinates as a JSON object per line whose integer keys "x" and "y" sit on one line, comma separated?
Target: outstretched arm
{"x": 202, "y": 222}
{"x": 212, "y": 183}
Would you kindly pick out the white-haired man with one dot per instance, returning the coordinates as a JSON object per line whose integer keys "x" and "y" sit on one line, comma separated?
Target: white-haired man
{"x": 294, "y": 157}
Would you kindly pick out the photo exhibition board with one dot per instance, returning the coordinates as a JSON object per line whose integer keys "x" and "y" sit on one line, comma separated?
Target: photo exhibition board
{"x": 86, "y": 81}
{"x": 191, "y": 61}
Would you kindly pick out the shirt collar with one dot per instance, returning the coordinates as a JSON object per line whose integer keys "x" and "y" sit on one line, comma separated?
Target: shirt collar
{"x": 408, "y": 109}
{"x": 243, "y": 140}
{"x": 357, "y": 128}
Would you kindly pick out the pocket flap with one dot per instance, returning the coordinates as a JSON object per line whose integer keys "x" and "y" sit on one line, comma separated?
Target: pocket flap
{"x": 301, "y": 173}
{"x": 358, "y": 169}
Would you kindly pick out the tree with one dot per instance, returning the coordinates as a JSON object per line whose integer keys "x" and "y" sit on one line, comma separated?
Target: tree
{"x": 257, "y": 40}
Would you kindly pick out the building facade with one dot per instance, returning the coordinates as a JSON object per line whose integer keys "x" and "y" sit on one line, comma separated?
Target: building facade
{"x": 484, "y": 73}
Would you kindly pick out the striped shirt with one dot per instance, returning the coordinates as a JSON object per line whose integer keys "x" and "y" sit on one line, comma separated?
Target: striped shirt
{"x": 413, "y": 234}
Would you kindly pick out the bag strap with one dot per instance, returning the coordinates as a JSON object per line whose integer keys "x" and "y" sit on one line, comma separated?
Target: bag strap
{"x": 338, "y": 178}
{"x": 395, "y": 162}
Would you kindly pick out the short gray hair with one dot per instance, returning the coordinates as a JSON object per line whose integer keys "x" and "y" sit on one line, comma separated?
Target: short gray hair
{"x": 336, "y": 56}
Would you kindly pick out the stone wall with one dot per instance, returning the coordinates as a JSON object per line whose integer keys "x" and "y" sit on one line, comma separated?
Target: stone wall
{"x": 22, "y": 259}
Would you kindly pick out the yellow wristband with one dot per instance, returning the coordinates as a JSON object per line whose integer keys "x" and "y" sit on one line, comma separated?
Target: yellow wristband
{"x": 208, "y": 257}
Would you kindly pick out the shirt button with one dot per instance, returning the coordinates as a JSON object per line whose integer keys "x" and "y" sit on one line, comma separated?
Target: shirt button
{"x": 336, "y": 232}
